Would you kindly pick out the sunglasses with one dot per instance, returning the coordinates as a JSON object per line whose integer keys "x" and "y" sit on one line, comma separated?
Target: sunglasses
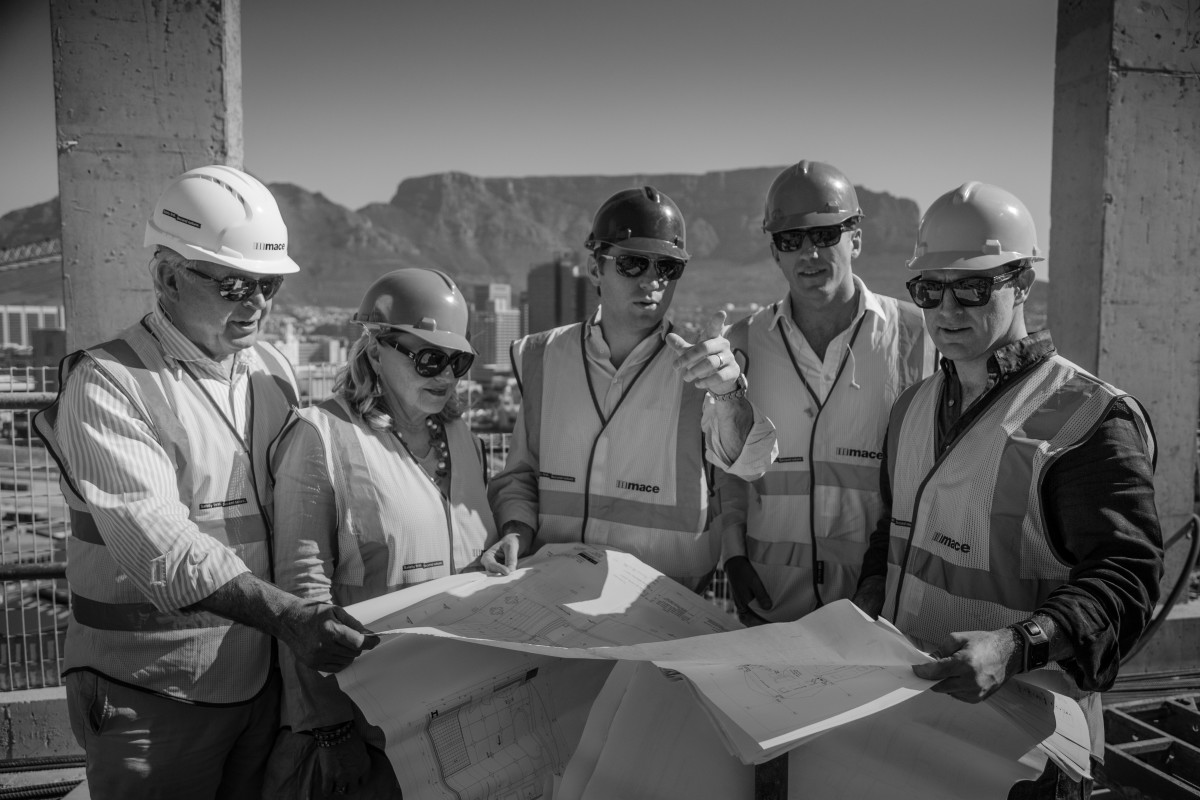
{"x": 823, "y": 236}
{"x": 238, "y": 289}
{"x": 430, "y": 362}
{"x": 631, "y": 266}
{"x": 970, "y": 292}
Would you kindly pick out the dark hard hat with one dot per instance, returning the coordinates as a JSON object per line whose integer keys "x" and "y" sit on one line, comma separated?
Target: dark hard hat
{"x": 807, "y": 195}
{"x": 640, "y": 219}
{"x": 424, "y": 302}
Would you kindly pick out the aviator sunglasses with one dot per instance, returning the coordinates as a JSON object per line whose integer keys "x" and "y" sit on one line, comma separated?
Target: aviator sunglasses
{"x": 631, "y": 266}
{"x": 430, "y": 361}
{"x": 970, "y": 292}
{"x": 823, "y": 236}
{"x": 238, "y": 289}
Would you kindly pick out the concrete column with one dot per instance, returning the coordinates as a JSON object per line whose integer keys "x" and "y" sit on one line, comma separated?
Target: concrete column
{"x": 143, "y": 91}
{"x": 1125, "y": 208}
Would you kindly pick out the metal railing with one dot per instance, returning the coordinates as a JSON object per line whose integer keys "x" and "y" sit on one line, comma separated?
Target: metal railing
{"x": 33, "y": 533}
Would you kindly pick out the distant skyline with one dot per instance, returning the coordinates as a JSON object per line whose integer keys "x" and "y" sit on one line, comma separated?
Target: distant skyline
{"x": 349, "y": 99}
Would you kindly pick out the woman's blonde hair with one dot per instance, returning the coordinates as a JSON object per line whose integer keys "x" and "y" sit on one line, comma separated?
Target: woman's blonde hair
{"x": 359, "y": 384}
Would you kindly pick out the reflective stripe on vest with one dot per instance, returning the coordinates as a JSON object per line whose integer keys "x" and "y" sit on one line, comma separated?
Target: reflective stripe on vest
{"x": 969, "y": 548}
{"x": 829, "y": 453}
{"x": 385, "y": 499}
{"x": 636, "y": 482}
{"x": 114, "y": 630}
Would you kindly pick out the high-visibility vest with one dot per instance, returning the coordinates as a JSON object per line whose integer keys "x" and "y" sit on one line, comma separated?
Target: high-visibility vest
{"x": 968, "y": 546}
{"x": 387, "y": 503}
{"x": 809, "y": 518}
{"x": 113, "y": 629}
{"x": 635, "y": 480}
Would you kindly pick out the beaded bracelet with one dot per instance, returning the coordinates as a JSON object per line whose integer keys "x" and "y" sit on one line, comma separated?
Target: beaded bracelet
{"x": 333, "y": 735}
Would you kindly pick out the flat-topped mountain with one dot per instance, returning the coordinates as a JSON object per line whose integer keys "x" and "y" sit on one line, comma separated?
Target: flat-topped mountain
{"x": 496, "y": 229}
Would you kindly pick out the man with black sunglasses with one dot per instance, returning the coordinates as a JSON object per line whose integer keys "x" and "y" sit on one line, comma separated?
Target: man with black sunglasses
{"x": 161, "y": 435}
{"x": 621, "y": 417}
{"x": 825, "y": 363}
{"x": 1019, "y": 532}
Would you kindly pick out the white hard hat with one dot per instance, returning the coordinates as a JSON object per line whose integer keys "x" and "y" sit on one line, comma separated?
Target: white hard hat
{"x": 223, "y": 215}
{"x": 977, "y": 226}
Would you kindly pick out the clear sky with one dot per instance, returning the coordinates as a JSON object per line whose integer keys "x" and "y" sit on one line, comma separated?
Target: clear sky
{"x": 910, "y": 97}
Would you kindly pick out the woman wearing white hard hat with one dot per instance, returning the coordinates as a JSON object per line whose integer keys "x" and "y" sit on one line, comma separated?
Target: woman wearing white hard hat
{"x": 377, "y": 488}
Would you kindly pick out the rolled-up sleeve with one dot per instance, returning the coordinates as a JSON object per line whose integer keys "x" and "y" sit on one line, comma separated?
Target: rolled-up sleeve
{"x": 757, "y": 453}
{"x": 128, "y": 482}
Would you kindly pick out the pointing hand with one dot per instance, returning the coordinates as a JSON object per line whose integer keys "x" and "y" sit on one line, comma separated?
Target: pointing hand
{"x": 710, "y": 364}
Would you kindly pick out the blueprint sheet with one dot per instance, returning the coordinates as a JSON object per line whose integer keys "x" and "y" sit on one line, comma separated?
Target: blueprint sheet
{"x": 468, "y": 721}
{"x": 476, "y": 646}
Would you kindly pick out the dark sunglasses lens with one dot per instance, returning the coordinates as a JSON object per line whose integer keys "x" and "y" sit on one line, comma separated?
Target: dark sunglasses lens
{"x": 825, "y": 237}
{"x": 460, "y": 363}
{"x": 789, "y": 241}
{"x": 239, "y": 289}
{"x": 670, "y": 269}
{"x": 431, "y": 363}
{"x": 972, "y": 291}
{"x": 926, "y": 294}
{"x": 632, "y": 266}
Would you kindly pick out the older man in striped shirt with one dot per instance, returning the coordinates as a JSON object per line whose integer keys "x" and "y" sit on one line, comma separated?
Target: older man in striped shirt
{"x": 162, "y": 435}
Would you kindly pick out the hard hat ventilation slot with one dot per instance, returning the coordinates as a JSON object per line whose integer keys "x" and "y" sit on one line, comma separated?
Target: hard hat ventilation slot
{"x": 229, "y": 189}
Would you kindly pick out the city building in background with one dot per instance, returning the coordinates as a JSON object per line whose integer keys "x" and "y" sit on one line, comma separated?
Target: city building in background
{"x": 559, "y": 293}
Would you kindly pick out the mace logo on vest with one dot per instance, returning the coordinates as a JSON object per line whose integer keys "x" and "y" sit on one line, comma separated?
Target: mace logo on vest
{"x": 638, "y": 487}
{"x": 854, "y": 453}
{"x": 953, "y": 544}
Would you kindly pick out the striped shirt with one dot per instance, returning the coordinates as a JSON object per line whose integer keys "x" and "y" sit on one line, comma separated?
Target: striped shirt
{"x": 128, "y": 481}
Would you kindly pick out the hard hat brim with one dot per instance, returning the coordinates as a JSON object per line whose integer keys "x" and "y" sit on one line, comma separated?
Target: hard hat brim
{"x": 447, "y": 340}
{"x": 969, "y": 260}
{"x": 809, "y": 220}
{"x": 655, "y": 246}
{"x": 278, "y": 265}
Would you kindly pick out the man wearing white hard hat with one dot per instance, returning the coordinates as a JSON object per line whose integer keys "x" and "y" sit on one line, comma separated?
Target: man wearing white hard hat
{"x": 161, "y": 435}
{"x": 1019, "y": 533}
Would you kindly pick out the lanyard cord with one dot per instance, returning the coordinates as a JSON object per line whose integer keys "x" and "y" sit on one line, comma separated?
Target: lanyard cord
{"x": 587, "y": 479}
{"x": 817, "y": 567}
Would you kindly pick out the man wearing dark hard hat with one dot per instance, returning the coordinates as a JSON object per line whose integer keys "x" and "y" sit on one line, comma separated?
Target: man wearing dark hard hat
{"x": 1020, "y": 534}
{"x": 161, "y": 435}
{"x": 620, "y": 414}
{"x": 826, "y": 362}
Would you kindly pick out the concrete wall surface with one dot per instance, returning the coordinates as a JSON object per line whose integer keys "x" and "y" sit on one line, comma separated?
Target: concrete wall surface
{"x": 1125, "y": 209}
{"x": 143, "y": 92}
{"x": 35, "y": 723}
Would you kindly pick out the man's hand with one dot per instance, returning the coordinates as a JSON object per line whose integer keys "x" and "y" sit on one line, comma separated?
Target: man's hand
{"x": 870, "y": 595}
{"x": 501, "y": 558}
{"x": 745, "y": 585}
{"x": 709, "y": 363}
{"x": 324, "y": 636}
{"x": 345, "y": 767}
{"x": 973, "y": 664}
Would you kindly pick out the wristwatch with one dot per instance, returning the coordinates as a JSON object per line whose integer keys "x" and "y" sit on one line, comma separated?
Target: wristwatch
{"x": 1037, "y": 645}
{"x": 738, "y": 391}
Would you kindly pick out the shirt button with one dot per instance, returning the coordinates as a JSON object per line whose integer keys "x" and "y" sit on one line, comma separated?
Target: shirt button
{"x": 950, "y": 403}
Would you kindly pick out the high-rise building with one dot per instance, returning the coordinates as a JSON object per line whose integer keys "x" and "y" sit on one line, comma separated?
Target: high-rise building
{"x": 559, "y": 294}
{"x": 492, "y": 332}
{"x": 489, "y": 296}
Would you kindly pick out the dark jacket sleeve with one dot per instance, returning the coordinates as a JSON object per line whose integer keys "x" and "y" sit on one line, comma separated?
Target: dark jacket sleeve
{"x": 875, "y": 558}
{"x": 1100, "y": 514}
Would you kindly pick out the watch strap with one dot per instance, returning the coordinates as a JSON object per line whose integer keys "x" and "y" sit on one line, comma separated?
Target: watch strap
{"x": 1037, "y": 645}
